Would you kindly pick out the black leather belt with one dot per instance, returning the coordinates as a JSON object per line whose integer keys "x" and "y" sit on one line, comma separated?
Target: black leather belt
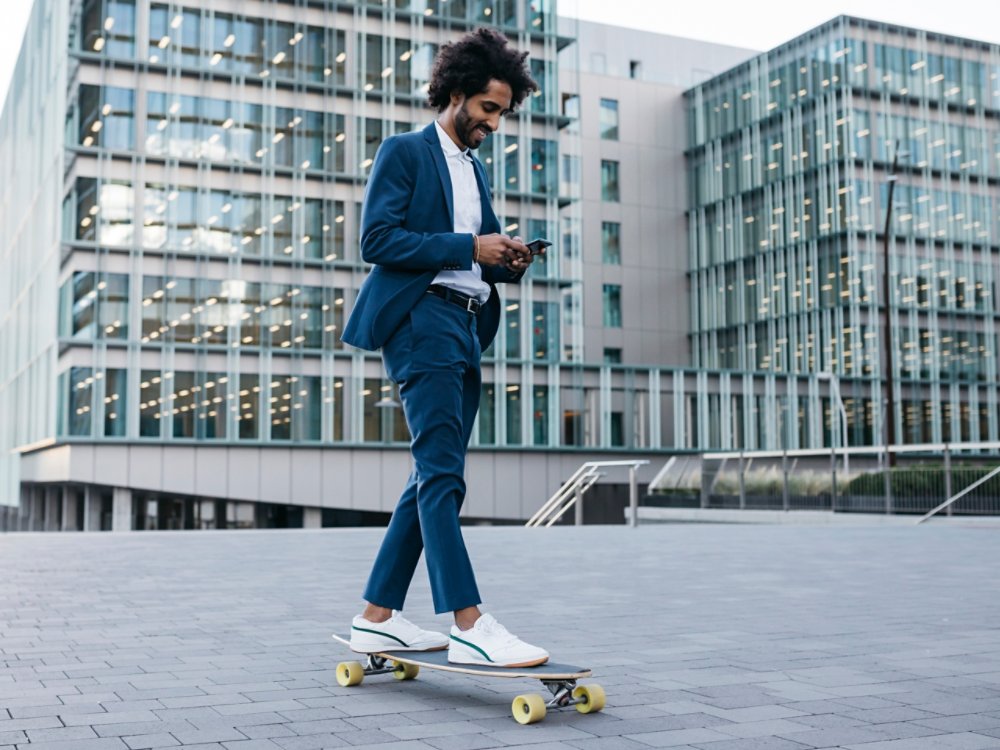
{"x": 469, "y": 304}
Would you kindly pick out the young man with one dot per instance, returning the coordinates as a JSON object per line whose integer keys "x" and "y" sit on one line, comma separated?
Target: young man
{"x": 430, "y": 303}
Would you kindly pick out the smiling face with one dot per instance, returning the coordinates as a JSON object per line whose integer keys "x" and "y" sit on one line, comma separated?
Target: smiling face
{"x": 469, "y": 120}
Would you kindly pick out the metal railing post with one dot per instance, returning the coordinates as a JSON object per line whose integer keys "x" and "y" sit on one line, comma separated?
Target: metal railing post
{"x": 833, "y": 477}
{"x": 784, "y": 484}
{"x": 947, "y": 475}
{"x": 578, "y": 507}
{"x": 743, "y": 487}
{"x": 887, "y": 482}
{"x": 633, "y": 496}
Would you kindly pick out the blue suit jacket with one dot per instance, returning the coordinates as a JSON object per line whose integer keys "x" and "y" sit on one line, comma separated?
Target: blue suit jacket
{"x": 407, "y": 232}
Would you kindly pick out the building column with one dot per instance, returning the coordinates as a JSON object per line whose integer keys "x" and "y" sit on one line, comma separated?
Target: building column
{"x": 91, "y": 519}
{"x": 69, "y": 506}
{"x": 36, "y": 517}
{"x": 312, "y": 518}
{"x": 53, "y": 506}
{"x": 121, "y": 513}
{"x": 23, "y": 508}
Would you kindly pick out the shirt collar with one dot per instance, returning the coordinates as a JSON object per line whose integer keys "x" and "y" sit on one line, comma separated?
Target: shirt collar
{"x": 448, "y": 145}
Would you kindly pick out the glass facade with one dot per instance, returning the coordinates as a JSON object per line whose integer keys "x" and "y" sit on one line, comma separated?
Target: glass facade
{"x": 789, "y": 159}
{"x": 210, "y": 223}
{"x": 201, "y": 195}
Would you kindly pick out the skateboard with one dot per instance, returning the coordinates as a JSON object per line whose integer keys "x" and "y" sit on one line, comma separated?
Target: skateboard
{"x": 559, "y": 679}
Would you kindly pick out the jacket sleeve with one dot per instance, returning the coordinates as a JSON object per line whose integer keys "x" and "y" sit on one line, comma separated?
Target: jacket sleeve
{"x": 384, "y": 240}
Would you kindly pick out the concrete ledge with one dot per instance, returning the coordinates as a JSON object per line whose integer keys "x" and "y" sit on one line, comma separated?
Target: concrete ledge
{"x": 799, "y": 517}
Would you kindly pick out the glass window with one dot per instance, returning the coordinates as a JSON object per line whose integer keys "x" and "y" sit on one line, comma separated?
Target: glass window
{"x": 247, "y": 407}
{"x": 511, "y": 163}
{"x": 81, "y": 394}
{"x": 540, "y": 415}
{"x": 513, "y": 415}
{"x": 609, "y": 119}
{"x": 150, "y": 398}
{"x": 542, "y": 100}
{"x": 611, "y": 250}
{"x": 295, "y": 408}
{"x": 109, "y": 27}
{"x": 545, "y": 331}
{"x": 612, "y": 356}
{"x": 609, "y": 180}
{"x": 487, "y": 414}
{"x": 612, "y": 294}
{"x": 512, "y": 324}
{"x": 332, "y": 318}
{"x": 106, "y": 117}
{"x": 543, "y": 166}
{"x": 84, "y": 301}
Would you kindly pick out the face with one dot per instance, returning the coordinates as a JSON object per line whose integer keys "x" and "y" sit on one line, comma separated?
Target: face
{"x": 478, "y": 116}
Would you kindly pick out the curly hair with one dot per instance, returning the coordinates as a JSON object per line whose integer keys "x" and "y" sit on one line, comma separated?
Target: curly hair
{"x": 469, "y": 64}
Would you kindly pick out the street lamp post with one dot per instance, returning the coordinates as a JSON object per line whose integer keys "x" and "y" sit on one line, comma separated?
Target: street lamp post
{"x": 835, "y": 392}
{"x": 887, "y": 342}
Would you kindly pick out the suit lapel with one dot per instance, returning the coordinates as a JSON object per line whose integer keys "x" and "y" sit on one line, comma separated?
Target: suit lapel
{"x": 437, "y": 155}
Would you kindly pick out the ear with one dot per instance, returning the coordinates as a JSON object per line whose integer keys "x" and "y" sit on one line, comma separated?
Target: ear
{"x": 457, "y": 98}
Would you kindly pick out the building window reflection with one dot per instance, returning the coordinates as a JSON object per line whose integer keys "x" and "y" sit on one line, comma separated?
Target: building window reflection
{"x": 609, "y": 181}
{"x": 108, "y": 28}
{"x": 609, "y": 119}
{"x": 106, "y": 117}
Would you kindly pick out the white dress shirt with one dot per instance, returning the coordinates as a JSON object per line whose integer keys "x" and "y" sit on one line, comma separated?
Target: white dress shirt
{"x": 468, "y": 215}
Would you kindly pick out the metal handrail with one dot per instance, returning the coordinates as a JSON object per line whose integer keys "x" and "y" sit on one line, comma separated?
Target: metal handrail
{"x": 961, "y": 494}
{"x": 573, "y": 488}
{"x": 568, "y": 485}
{"x": 586, "y": 482}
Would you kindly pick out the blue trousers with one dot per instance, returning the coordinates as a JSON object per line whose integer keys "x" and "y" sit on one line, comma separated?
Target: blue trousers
{"x": 434, "y": 358}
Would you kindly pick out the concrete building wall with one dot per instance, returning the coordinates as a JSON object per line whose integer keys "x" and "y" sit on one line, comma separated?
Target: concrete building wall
{"x": 646, "y": 75}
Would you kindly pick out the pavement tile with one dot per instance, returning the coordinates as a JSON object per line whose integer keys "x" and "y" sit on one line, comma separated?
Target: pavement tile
{"x": 749, "y": 653}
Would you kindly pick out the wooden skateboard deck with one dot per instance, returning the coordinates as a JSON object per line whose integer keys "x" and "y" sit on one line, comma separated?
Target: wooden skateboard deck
{"x": 559, "y": 679}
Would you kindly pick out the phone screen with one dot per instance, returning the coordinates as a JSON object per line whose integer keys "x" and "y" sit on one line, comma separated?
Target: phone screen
{"x": 536, "y": 246}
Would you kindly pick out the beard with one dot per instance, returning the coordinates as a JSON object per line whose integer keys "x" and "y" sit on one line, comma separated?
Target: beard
{"x": 465, "y": 128}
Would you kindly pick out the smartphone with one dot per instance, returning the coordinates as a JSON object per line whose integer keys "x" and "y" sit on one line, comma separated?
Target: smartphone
{"x": 536, "y": 246}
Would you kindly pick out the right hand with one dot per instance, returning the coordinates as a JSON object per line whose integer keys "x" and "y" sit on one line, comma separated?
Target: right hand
{"x": 500, "y": 250}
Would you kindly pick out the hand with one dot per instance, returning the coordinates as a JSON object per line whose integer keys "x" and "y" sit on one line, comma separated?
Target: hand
{"x": 520, "y": 261}
{"x": 501, "y": 250}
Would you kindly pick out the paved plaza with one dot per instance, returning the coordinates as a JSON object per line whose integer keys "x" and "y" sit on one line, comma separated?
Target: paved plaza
{"x": 718, "y": 637}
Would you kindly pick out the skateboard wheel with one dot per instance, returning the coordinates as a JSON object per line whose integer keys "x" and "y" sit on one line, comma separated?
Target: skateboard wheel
{"x": 591, "y": 698}
{"x": 403, "y": 671}
{"x": 528, "y": 709}
{"x": 350, "y": 673}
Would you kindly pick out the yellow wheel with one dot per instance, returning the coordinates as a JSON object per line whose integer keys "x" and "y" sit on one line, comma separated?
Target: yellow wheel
{"x": 350, "y": 673}
{"x": 591, "y": 698}
{"x": 403, "y": 671}
{"x": 528, "y": 709}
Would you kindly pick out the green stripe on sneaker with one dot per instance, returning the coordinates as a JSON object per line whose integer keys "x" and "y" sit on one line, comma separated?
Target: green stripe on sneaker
{"x": 473, "y": 645}
{"x": 379, "y": 632}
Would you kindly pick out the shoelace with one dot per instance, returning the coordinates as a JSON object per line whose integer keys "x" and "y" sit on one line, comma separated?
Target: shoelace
{"x": 495, "y": 629}
{"x": 400, "y": 620}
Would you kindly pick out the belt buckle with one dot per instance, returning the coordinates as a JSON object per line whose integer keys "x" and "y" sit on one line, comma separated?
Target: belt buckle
{"x": 469, "y": 305}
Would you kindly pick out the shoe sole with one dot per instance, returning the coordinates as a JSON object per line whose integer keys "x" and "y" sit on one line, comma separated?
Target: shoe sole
{"x": 518, "y": 665}
{"x": 390, "y": 648}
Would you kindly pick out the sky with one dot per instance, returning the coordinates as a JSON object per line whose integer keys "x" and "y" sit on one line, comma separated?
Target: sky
{"x": 755, "y": 25}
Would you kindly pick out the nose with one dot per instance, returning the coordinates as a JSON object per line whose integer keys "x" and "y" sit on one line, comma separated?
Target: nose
{"x": 493, "y": 121}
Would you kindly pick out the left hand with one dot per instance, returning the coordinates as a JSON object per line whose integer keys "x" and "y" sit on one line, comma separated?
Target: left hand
{"x": 517, "y": 262}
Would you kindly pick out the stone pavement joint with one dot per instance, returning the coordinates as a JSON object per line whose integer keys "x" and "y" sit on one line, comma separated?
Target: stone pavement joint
{"x": 705, "y": 637}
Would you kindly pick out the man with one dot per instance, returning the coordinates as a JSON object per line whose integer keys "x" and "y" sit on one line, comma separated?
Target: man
{"x": 430, "y": 303}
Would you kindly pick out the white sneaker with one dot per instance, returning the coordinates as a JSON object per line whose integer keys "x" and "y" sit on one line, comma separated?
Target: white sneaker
{"x": 395, "y": 634}
{"x": 489, "y": 643}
